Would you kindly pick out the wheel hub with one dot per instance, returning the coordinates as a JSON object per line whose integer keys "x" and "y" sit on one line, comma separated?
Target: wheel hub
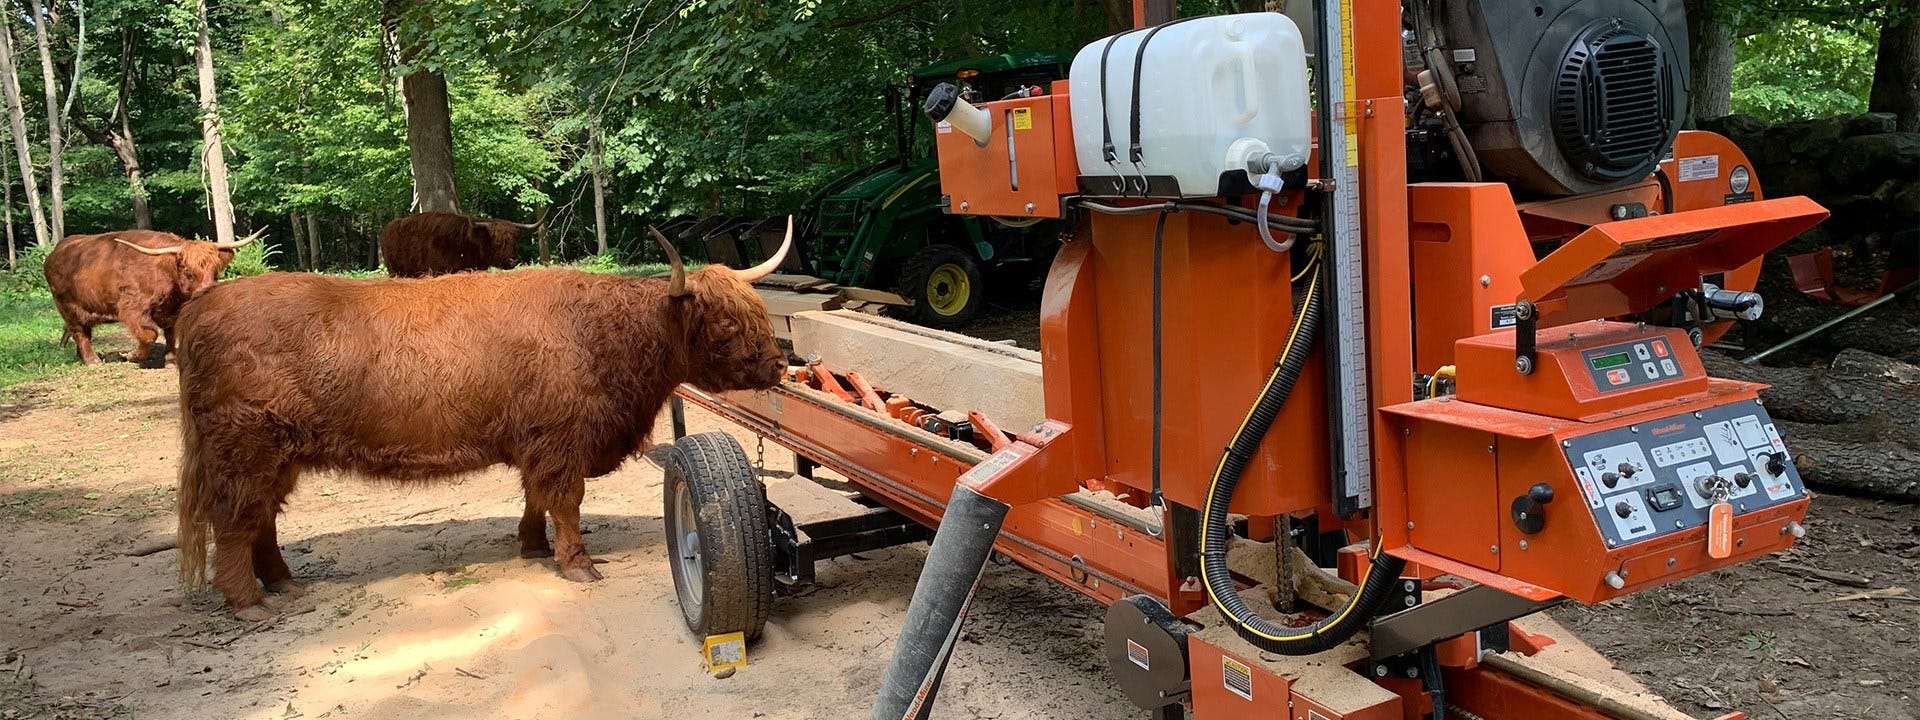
{"x": 948, "y": 289}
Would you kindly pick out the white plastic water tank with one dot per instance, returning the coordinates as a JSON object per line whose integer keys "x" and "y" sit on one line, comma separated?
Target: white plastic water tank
{"x": 1215, "y": 92}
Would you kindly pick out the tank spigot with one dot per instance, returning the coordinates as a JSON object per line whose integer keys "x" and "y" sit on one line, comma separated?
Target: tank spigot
{"x": 944, "y": 104}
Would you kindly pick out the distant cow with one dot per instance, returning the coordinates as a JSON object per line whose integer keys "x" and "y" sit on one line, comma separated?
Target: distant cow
{"x": 138, "y": 278}
{"x": 558, "y": 373}
{"x": 437, "y": 243}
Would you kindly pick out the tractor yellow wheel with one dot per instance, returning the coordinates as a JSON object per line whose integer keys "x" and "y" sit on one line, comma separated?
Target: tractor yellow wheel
{"x": 948, "y": 289}
{"x": 946, "y": 286}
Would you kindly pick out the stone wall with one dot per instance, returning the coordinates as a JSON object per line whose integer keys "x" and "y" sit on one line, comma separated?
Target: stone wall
{"x": 1855, "y": 165}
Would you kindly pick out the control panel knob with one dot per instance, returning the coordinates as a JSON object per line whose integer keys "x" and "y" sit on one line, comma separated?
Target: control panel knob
{"x": 1611, "y": 480}
{"x": 1743, "y": 480}
{"x": 1623, "y": 510}
{"x": 1777, "y": 464}
{"x": 1530, "y": 510}
{"x": 1627, "y": 469}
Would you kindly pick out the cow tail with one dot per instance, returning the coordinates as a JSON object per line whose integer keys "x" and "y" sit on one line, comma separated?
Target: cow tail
{"x": 191, "y": 535}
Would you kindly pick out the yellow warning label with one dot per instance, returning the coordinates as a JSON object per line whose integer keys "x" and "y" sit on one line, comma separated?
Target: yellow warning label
{"x": 1023, "y": 118}
{"x": 1236, "y": 676}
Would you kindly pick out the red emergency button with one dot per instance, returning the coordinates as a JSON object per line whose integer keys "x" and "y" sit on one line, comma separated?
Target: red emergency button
{"x": 1659, "y": 348}
{"x": 1618, "y": 376}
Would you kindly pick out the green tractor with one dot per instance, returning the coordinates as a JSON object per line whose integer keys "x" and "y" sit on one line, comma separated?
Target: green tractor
{"x": 884, "y": 226}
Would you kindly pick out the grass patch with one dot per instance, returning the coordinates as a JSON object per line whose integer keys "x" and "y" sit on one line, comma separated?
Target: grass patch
{"x": 30, "y": 346}
{"x": 461, "y": 578}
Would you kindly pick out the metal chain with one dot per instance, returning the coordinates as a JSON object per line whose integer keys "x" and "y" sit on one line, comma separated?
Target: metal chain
{"x": 759, "y": 452}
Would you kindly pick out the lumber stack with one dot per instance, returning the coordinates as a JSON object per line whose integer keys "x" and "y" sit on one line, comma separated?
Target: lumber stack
{"x": 941, "y": 369}
{"x": 787, "y": 295}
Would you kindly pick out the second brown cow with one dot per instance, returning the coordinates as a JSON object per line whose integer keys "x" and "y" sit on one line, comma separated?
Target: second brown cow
{"x": 287, "y": 373}
{"x": 438, "y": 243}
{"x": 138, "y": 278}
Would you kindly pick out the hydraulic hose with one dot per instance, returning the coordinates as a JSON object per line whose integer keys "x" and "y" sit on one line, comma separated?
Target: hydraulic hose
{"x": 1283, "y": 223}
{"x": 1381, "y": 574}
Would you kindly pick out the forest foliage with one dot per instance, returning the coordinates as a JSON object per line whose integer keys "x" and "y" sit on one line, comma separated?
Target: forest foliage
{"x": 703, "y": 106}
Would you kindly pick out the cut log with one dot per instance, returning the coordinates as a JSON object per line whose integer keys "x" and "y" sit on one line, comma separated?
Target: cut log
{"x": 1857, "y": 386}
{"x": 1853, "y": 426}
{"x": 1869, "y": 457}
{"x": 939, "y": 369}
{"x": 783, "y": 304}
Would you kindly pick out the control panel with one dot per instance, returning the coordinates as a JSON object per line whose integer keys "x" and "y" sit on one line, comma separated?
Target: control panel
{"x": 1657, "y": 478}
{"x": 1631, "y": 365}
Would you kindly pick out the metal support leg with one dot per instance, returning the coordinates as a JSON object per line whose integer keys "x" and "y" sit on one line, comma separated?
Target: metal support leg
{"x": 677, "y": 410}
{"x": 803, "y": 467}
{"x": 1175, "y": 711}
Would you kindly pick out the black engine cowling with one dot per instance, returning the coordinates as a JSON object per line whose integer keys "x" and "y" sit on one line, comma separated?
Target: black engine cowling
{"x": 1565, "y": 97}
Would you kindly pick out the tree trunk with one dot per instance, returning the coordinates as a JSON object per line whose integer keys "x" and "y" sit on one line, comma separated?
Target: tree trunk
{"x": 597, "y": 148}
{"x": 123, "y": 145}
{"x": 299, "y": 241}
{"x": 18, "y": 117}
{"x": 313, "y": 241}
{"x": 540, "y": 234}
{"x": 1711, "y": 38}
{"x": 56, "y": 170}
{"x": 430, "y": 141}
{"x": 1896, "y": 68}
{"x": 220, "y": 200}
{"x": 13, "y": 247}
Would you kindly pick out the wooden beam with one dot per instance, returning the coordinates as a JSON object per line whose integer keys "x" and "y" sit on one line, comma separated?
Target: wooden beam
{"x": 939, "y": 369}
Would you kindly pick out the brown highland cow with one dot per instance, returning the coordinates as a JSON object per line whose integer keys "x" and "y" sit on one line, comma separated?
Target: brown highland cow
{"x": 286, "y": 373}
{"x": 437, "y": 243}
{"x": 138, "y": 278}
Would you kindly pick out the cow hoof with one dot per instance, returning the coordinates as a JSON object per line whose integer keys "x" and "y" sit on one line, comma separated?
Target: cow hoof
{"x": 581, "y": 574}
{"x": 288, "y": 588}
{"x": 95, "y": 360}
{"x": 253, "y": 613}
{"x": 531, "y": 553}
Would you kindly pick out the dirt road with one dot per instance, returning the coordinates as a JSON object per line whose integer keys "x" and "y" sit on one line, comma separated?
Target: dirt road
{"x": 421, "y": 608}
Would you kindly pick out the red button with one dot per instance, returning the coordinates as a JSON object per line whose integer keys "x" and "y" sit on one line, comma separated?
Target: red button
{"x": 1618, "y": 377}
{"x": 1659, "y": 348}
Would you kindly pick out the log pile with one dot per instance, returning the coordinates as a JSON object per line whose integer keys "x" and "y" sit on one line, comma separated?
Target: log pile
{"x": 1852, "y": 426}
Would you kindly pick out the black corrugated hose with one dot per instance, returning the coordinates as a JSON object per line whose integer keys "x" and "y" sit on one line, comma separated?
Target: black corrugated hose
{"x": 1384, "y": 570}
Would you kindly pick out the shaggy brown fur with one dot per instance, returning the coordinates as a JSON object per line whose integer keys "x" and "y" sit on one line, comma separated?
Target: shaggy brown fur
{"x": 437, "y": 243}
{"x": 96, "y": 280}
{"x": 286, "y": 373}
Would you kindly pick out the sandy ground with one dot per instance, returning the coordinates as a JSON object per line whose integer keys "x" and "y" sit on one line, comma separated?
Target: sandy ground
{"x": 422, "y": 609}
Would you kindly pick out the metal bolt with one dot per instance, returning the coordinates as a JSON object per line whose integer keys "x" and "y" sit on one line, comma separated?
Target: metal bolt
{"x": 1697, "y": 416}
{"x": 1523, "y": 365}
{"x": 1486, "y": 280}
{"x": 1523, "y": 545}
{"x": 1029, "y": 208}
{"x": 1410, "y": 586}
{"x": 964, "y": 205}
{"x": 1672, "y": 561}
{"x": 1495, "y": 549}
{"x": 1636, "y": 429}
{"x": 1490, "y": 448}
{"x": 1660, "y": 289}
{"x": 1413, "y": 672}
{"x": 1409, "y": 526}
{"x": 1409, "y": 601}
{"x": 1612, "y": 543}
{"x": 1566, "y": 443}
{"x": 1379, "y": 671}
{"x": 1677, "y": 524}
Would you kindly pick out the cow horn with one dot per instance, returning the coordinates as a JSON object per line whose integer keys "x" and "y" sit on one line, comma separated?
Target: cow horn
{"x": 766, "y": 268}
{"x": 676, "y": 286}
{"x": 523, "y": 226}
{"x": 175, "y": 250}
{"x": 242, "y": 242}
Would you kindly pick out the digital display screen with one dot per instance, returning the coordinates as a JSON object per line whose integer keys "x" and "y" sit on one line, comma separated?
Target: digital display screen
{"x": 1610, "y": 361}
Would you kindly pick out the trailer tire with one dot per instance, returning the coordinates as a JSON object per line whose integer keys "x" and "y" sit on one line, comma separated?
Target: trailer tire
{"x": 946, "y": 285}
{"x": 719, "y": 546}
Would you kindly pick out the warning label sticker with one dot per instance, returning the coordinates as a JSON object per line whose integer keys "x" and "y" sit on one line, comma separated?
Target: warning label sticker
{"x": 1237, "y": 677}
{"x": 1138, "y": 655}
{"x": 1504, "y": 316}
{"x": 1699, "y": 167}
{"x": 1023, "y": 118}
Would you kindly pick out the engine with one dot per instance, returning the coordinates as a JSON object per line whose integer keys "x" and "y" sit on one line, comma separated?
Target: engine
{"x": 1557, "y": 97}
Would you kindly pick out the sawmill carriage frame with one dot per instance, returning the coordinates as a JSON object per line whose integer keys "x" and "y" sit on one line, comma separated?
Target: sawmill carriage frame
{"x": 1561, "y": 467}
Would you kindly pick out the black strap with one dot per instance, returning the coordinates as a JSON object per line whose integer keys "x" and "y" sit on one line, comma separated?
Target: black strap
{"x": 1139, "y": 59}
{"x": 1106, "y": 126}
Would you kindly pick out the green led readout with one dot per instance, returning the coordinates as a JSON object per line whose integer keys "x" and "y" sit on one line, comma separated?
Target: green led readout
{"x": 1610, "y": 361}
